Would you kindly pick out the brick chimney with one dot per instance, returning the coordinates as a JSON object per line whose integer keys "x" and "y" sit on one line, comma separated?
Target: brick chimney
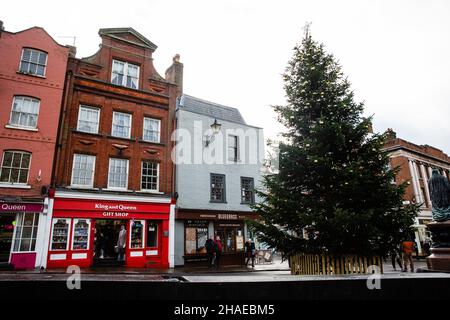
{"x": 72, "y": 50}
{"x": 174, "y": 74}
{"x": 1, "y": 28}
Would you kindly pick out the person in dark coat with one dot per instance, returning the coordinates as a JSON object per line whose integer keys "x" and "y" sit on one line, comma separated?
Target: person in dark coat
{"x": 209, "y": 245}
{"x": 250, "y": 252}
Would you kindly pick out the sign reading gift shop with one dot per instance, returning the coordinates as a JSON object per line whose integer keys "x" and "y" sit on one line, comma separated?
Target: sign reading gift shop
{"x": 108, "y": 209}
{"x": 6, "y": 207}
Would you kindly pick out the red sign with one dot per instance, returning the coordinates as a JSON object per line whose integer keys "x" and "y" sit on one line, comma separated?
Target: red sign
{"x": 108, "y": 209}
{"x": 6, "y": 207}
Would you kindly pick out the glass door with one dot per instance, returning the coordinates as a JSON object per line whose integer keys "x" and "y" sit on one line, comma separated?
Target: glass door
{"x": 7, "y": 224}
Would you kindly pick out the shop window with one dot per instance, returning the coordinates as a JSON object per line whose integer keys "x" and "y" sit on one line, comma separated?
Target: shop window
{"x": 247, "y": 190}
{"x": 118, "y": 173}
{"x": 231, "y": 235}
{"x": 83, "y": 170}
{"x": 217, "y": 187}
{"x": 26, "y": 232}
{"x": 60, "y": 234}
{"x": 150, "y": 176}
{"x": 152, "y": 129}
{"x": 125, "y": 74}
{"x": 152, "y": 234}
{"x": 121, "y": 126}
{"x": 81, "y": 231}
{"x": 15, "y": 167}
{"x": 33, "y": 62}
{"x": 137, "y": 234}
{"x": 24, "y": 112}
{"x": 88, "y": 119}
{"x": 196, "y": 234}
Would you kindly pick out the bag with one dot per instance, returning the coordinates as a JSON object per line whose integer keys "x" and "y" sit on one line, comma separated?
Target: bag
{"x": 116, "y": 249}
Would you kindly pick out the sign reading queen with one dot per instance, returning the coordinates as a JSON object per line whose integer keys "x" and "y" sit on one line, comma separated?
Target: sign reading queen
{"x": 21, "y": 207}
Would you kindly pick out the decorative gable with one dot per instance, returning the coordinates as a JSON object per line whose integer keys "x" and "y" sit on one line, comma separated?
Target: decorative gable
{"x": 128, "y": 35}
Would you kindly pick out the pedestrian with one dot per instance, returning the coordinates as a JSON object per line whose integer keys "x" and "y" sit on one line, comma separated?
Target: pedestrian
{"x": 218, "y": 252}
{"x": 407, "y": 250}
{"x": 250, "y": 252}
{"x": 209, "y": 245}
{"x": 121, "y": 243}
{"x": 396, "y": 257}
{"x": 427, "y": 246}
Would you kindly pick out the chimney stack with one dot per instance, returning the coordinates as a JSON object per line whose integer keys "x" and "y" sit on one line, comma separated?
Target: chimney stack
{"x": 1, "y": 27}
{"x": 72, "y": 50}
{"x": 174, "y": 74}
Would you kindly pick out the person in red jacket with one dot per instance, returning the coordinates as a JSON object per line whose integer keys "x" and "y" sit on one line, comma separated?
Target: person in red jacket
{"x": 217, "y": 251}
{"x": 407, "y": 250}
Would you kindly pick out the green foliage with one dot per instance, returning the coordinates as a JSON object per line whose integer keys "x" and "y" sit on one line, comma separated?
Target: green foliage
{"x": 334, "y": 191}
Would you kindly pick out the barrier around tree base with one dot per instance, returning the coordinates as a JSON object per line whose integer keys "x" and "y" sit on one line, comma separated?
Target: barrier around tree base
{"x": 316, "y": 264}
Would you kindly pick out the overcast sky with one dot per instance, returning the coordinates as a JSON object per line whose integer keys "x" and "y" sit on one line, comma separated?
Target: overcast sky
{"x": 395, "y": 53}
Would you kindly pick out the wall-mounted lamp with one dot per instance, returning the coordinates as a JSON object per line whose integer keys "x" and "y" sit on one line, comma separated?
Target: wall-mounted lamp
{"x": 215, "y": 130}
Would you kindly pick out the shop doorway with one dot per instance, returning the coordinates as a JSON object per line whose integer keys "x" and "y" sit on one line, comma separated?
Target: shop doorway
{"x": 105, "y": 242}
{"x": 7, "y": 223}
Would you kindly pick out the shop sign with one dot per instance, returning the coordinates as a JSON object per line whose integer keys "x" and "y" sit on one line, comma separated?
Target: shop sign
{"x": 20, "y": 207}
{"x": 196, "y": 223}
{"x": 227, "y": 216}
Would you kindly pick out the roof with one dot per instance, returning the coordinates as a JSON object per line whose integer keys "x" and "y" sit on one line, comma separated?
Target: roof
{"x": 210, "y": 109}
{"x": 115, "y": 33}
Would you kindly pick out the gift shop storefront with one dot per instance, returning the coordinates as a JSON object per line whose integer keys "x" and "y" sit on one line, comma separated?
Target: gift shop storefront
{"x": 85, "y": 232}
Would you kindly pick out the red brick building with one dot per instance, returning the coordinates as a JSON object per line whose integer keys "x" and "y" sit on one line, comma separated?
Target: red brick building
{"x": 32, "y": 72}
{"x": 416, "y": 163}
{"x": 114, "y": 166}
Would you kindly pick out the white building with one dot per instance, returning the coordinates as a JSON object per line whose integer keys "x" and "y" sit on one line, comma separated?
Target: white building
{"x": 218, "y": 160}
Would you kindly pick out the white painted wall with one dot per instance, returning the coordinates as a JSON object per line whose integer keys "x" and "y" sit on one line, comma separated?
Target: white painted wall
{"x": 193, "y": 180}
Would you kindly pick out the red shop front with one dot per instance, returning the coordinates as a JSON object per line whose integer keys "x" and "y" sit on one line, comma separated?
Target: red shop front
{"x": 84, "y": 232}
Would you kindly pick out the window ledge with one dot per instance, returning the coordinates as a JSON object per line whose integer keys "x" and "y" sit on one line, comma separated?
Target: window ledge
{"x": 117, "y": 189}
{"x": 82, "y": 188}
{"x": 89, "y": 133}
{"x": 151, "y": 142}
{"x": 121, "y": 138}
{"x": 21, "y": 128}
{"x": 211, "y": 201}
{"x": 150, "y": 191}
{"x": 31, "y": 75}
{"x": 14, "y": 186}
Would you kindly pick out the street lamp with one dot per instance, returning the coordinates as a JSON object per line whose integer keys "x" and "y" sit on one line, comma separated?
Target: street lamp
{"x": 215, "y": 127}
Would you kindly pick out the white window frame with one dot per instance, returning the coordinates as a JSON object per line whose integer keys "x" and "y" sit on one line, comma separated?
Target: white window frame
{"x": 33, "y": 99}
{"x": 69, "y": 235}
{"x": 127, "y": 172}
{"x": 20, "y": 168}
{"x": 88, "y": 234}
{"x": 129, "y": 128}
{"x": 159, "y": 129}
{"x": 82, "y": 106}
{"x": 72, "y": 184}
{"x": 125, "y": 73}
{"x": 233, "y": 157}
{"x": 144, "y": 225}
{"x": 157, "y": 178}
{"x": 29, "y": 62}
{"x": 21, "y": 217}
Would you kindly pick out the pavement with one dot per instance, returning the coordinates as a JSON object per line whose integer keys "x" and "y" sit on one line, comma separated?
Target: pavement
{"x": 277, "y": 270}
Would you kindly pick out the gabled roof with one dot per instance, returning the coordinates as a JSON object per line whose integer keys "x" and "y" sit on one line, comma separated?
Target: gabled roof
{"x": 210, "y": 109}
{"x": 116, "y": 32}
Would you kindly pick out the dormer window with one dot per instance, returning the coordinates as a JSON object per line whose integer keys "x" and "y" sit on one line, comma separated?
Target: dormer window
{"x": 33, "y": 62}
{"x": 125, "y": 74}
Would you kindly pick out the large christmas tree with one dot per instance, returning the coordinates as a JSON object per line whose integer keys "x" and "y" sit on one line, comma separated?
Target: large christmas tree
{"x": 334, "y": 191}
